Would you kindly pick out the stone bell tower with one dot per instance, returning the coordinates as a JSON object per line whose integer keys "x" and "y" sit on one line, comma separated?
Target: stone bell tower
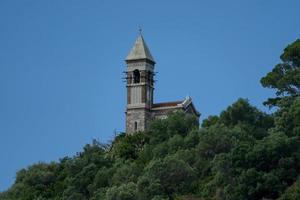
{"x": 139, "y": 78}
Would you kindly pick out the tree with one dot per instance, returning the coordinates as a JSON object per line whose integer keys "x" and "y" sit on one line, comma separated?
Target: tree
{"x": 285, "y": 77}
{"x": 125, "y": 192}
{"x": 174, "y": 176}
{"x": 292, "y": 193}
{"x": 128, "y": 146}
{"x": 177, "y": 123}
{"x": 241, "y": 154}
{"x": 211, "y": 120}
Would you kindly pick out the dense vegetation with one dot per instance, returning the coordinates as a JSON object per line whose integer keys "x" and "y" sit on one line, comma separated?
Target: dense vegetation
{"x": 241, "y": 154}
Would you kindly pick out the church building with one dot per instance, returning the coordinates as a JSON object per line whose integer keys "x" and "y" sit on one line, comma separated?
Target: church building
{"x": 141, "y": 109}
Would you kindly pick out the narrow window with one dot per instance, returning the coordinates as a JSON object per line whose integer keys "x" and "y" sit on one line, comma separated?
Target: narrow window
{"x": 135, "y": 126}
{"x": 150, "y": 77}
{"x": 136, "y": 76}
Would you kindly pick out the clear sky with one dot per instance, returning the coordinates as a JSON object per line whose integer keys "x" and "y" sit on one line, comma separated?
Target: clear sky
{"x": 62, "y": 63}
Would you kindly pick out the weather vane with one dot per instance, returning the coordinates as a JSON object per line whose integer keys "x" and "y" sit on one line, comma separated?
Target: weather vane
{"x": 140, "y": 30}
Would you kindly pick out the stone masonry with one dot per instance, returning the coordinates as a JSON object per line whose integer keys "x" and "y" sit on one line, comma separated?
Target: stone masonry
{"x": 140, "y": 109}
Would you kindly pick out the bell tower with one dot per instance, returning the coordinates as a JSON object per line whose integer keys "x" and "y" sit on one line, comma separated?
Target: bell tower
{"x": 140, "y": 86}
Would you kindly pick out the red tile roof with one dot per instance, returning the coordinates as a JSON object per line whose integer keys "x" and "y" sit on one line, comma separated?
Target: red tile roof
{"x": 166, "y": 104}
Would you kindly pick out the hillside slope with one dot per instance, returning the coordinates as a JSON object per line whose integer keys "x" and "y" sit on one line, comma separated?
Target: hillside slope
{"x": 241, "y": 154}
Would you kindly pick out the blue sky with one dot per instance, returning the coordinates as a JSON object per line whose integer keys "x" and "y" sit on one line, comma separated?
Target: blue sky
{"x": 62, "y": 63}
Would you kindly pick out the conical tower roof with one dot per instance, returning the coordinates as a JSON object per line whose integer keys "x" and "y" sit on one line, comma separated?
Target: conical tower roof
{"x": 140, "y": 50}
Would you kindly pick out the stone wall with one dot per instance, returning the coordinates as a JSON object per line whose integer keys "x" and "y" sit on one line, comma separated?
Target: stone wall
{"x": 141, "y": 116}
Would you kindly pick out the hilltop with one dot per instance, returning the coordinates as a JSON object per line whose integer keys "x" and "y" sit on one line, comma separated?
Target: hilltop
{"x": 243, "y": 153}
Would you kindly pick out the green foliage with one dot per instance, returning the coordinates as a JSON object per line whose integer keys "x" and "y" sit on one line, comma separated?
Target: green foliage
{"x": 287, "y": 119}
{"x": 292, "y": 192}
{"x": 173, "y": 175}
{"x": 125, "y": 192}
{"x": 241, "y": 154}
{"x": 211, "y": 120}
{"x": 285, "y": 77}
{"x": 128, "y": 146}
{"x": 177, "y": 123}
